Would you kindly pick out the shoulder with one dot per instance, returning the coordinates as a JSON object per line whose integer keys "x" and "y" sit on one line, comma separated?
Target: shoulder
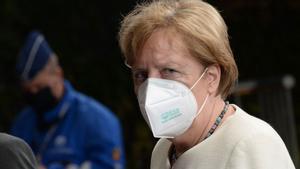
{"x": 256, "y": 144}
{"x": 26, "y": 114}
{"x": 94, "y": 112}
{"x": 24, "y": 121}
{"x": 246, "y": 128}
{"x": 242, "y": 126}
{"x": 8, "y": 142}
{"x": 6, "y": 139}
{"x": 15, "y": 151}
{"x": 162, "y": 145}
{"x": 159, "y": 158}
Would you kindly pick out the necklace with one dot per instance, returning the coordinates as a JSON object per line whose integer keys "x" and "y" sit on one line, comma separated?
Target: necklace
{"x": 172, "y": 155}
{"x": 218, "y": 120}
{"x": 172, "y": 152}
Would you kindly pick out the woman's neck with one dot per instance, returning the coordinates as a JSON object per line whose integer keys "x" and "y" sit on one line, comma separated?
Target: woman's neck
{"x": 200, "y": 127}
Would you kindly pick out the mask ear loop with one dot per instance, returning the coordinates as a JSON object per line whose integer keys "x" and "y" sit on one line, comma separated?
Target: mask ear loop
{"x": 202, "y": 106}
{"x": 127, "y": 64}
{"x": 206, "y": 98}
{"x": 199, "y": 78}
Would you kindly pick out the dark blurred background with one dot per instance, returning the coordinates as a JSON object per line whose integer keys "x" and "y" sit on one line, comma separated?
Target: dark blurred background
{"x": 264, "y": 35}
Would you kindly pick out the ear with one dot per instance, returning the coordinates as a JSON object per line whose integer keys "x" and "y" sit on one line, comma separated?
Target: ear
{"x": 58, "y": 89}
{"x": 58, "y": 76}
{"x": 213, "y": 76}
{"x": 59, "y": 72}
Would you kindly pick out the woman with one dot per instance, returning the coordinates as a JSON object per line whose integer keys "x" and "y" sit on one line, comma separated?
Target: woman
{"x": 183, "y": 70}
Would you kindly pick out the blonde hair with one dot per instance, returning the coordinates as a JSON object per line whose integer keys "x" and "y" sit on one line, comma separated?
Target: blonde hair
{"x": 203, "y": 30}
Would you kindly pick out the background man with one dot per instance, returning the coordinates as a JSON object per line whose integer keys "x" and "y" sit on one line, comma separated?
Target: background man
{"x": 64, "y": 127}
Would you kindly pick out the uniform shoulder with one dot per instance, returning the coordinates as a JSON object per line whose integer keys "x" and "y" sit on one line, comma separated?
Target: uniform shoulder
{"x": 91, "y": 109}
{"x": 24, "y": 116}
{"x": 24, "y": 120}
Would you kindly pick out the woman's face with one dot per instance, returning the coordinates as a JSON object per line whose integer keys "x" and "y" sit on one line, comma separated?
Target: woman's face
{"x": 165, "y": 56}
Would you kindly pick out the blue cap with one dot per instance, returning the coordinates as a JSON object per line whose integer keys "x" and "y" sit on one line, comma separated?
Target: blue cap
{"x": 33, "y": 56}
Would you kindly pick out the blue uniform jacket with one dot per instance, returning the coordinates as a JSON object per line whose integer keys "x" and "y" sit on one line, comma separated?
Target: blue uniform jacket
{"x": 85, "y": 134}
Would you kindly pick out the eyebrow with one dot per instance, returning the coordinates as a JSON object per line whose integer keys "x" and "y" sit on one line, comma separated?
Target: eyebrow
{"x": 172, "y": 63}
{"x": 159, "y": 65}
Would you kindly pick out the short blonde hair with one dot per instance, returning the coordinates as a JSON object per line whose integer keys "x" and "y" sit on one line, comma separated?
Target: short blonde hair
{"x": 203, "y": 30}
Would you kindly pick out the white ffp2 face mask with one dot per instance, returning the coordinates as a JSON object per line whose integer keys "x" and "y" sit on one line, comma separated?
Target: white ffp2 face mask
{"x": 169, "y": 107}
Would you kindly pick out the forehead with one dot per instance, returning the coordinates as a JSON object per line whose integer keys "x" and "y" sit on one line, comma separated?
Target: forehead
{"x": 39, "y": 81}
{"x": 164, "y": 45}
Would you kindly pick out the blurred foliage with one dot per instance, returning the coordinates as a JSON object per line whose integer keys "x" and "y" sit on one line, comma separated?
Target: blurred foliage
{"x": 264, "y": 37}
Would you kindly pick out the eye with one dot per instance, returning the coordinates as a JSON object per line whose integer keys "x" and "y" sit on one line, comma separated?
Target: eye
{"x": 169, "y": 73}
{"x": 169, "y": 70}
{"x": 139, "y": 76}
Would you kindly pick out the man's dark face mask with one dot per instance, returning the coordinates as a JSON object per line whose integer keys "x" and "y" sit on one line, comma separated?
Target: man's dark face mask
{"x": 42, "y": 101}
